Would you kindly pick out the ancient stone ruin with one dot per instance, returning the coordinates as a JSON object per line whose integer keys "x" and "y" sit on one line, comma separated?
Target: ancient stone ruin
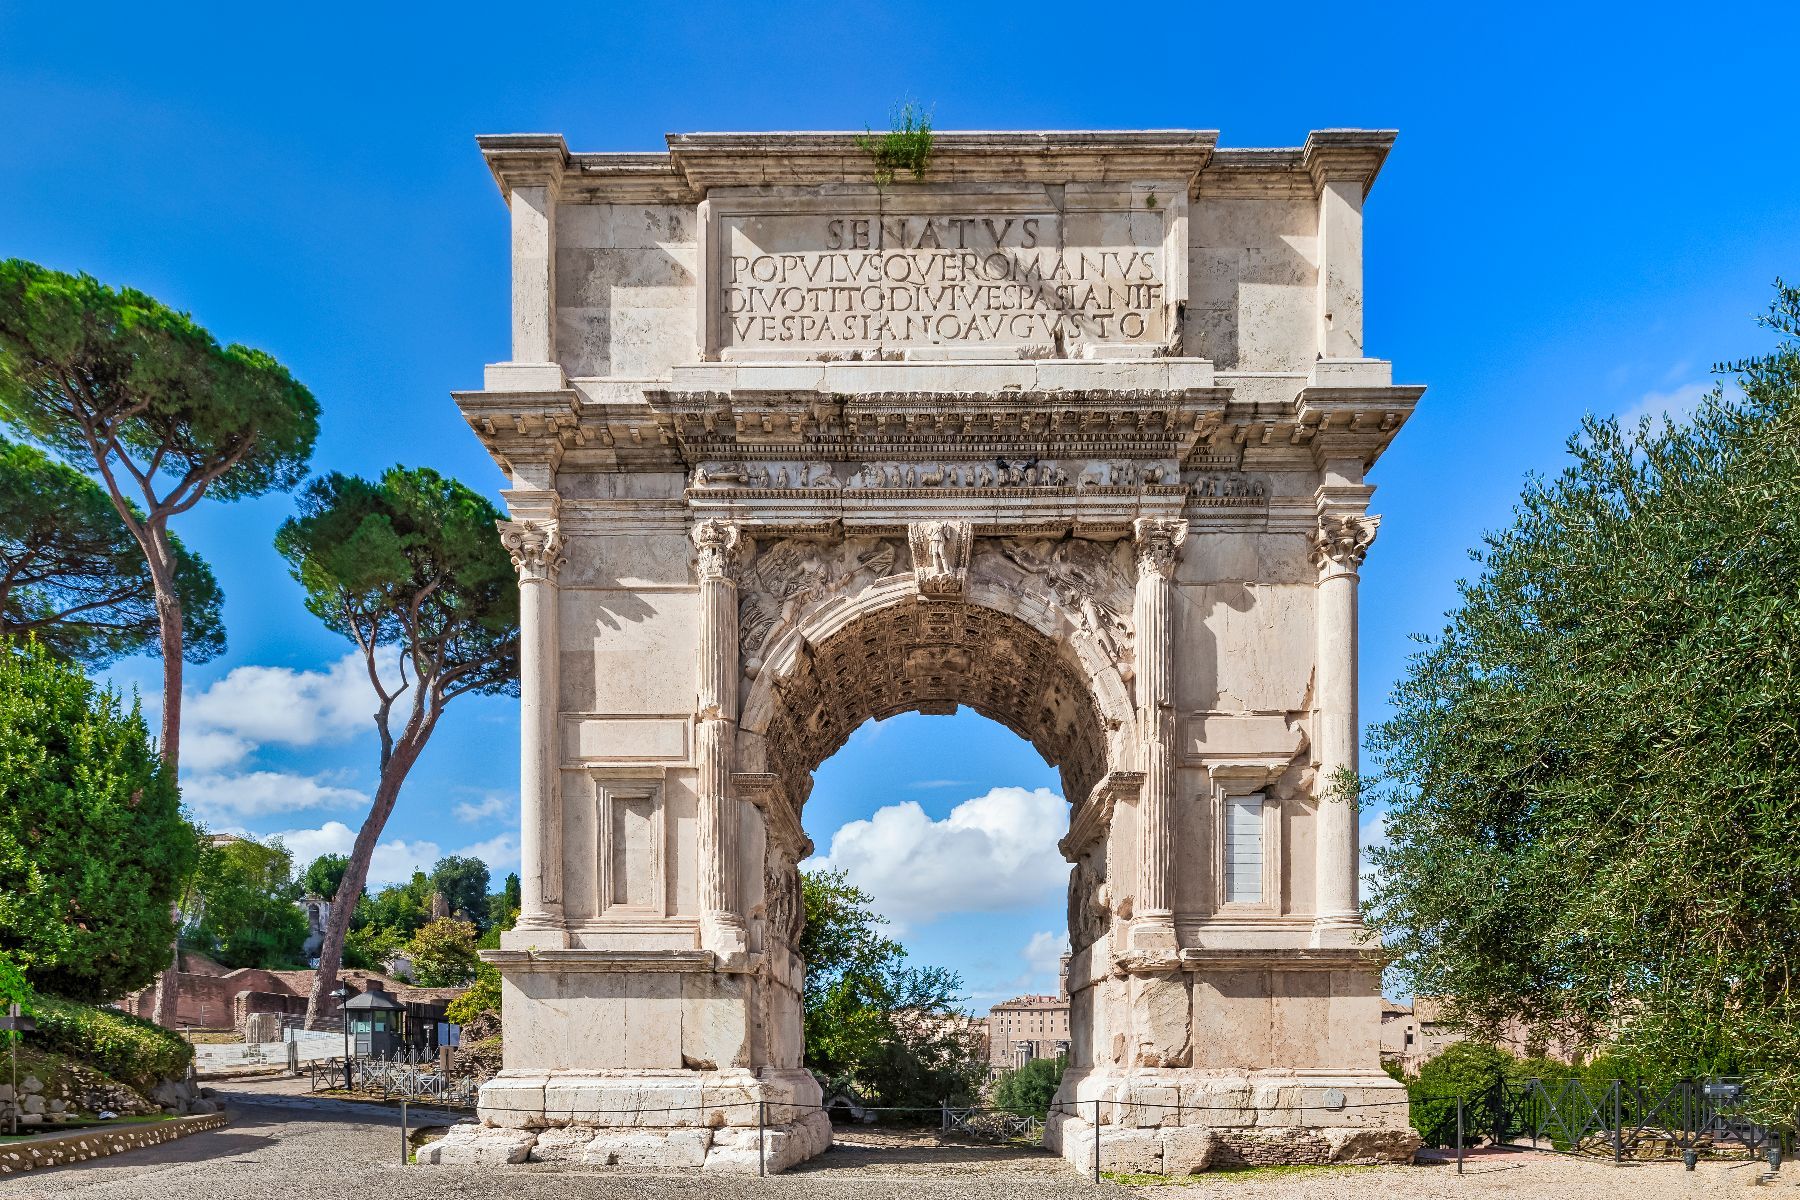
{"x": 1074, "y": 432}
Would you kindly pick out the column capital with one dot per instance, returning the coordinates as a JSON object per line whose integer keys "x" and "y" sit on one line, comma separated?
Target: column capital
{"x": 1342, "y": 541}
{"x": 536, "y": 548}
{"x": 1158, "y": 543}
{"x": 721, "y": 545}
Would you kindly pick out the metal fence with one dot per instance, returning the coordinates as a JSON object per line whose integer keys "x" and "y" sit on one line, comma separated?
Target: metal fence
{"x": 1627, "y": 1120}
{"x": 408, "y": 1075}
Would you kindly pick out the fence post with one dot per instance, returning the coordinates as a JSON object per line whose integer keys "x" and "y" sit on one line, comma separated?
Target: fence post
{"x": 1096, "y": 1141}
{"x": 1459, "y": 1135}
{"x": 762, "y": 1125}
{"x": 404, "y": 1147}
{"x": 1619, "y": 1123}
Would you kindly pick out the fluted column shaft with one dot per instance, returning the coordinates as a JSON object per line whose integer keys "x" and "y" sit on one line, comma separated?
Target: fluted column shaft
{"x": 536, "y": 548}
{"x": 722, "y": 922}
{"x": 1158, "y": 542}
{"x": 1342, "y": 542}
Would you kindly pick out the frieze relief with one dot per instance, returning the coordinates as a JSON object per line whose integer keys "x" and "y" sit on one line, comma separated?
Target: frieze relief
{"x": 998, "y": 473}
{"x": 1090, "y": 582}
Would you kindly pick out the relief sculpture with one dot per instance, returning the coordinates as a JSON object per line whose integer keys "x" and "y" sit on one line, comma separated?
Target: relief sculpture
{"x": 789, "y": 576}
{"x": 1091, "y": 581}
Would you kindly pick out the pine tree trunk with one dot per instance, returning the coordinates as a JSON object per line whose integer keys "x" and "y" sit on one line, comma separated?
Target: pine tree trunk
{"x": 356, "y": 874}
{"x": 169, "y": 630}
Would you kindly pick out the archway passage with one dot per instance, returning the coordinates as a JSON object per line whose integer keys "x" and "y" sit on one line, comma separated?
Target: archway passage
{"x": 930, "y": 655}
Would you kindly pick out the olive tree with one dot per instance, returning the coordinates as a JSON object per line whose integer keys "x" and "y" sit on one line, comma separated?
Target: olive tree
{"x": 408, "y": 563}
{"x": 1593, "y": 771}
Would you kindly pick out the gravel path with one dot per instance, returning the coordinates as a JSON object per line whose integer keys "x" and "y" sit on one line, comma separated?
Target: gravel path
{"x": 285, "y": 1146}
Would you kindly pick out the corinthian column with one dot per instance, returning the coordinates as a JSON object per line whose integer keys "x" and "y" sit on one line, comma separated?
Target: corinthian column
{"x": 722, "y": 925}
{"x": 1339, "y": 546}
{"x": 536, "y": 547}
{"x": 1158, "y": 541}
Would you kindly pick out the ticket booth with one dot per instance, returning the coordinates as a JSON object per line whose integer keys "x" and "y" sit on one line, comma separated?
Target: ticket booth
{"x": 374, "y": 1021}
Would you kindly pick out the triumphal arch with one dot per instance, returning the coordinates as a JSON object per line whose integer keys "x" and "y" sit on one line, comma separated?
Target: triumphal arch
{"x": 1073, "y": 430}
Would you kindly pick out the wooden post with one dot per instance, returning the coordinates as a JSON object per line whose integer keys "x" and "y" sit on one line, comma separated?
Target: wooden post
{"x": 1459, "y": 1135}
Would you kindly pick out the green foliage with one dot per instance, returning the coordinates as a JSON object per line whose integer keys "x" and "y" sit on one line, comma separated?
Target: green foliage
{"x": 463, "y": 883}
{"x": 131, "y": 1050}
{"x": 75, "y": 353}
{"x": 371, "y": 947}
{"x": 93, "y": 847}
{"x": 443, "y": 953}
{"x": 244, "y": 893}
{"x": 400, "y": 909}
{"x": 1593, "y": 772}
{"x": 1471, "y": 1070}
{"x": 411, "y": 560}
{"x": 888, "y": 1028}
{"x": 503, "y": 909}
{"x": 483, "y": 996}
{"x": 1030, "y": 1088}
{"x": 323, "y": 874}
{"x": 71, "y": 575}
{"x": 906, "y": 146}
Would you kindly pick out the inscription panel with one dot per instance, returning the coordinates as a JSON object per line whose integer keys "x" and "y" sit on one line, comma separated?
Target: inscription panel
{"x": 1009, "y": 274}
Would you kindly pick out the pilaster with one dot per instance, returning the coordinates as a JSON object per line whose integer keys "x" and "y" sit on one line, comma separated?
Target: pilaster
{"x": 719, "y": 544}
{"x": 1157, "y": 541}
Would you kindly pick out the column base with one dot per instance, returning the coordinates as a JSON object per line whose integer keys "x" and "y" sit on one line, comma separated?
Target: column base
{"x": 733, "y": 1121}
{"x": 1332, "y": 931}
{"x": 724, "y": 935}
{"x": 1183, "y": 1122}
{"x": 1153, "y": 931}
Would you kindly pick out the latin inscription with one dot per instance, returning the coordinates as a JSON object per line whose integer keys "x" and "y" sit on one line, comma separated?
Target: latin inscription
{"x": 1015, "y": 280}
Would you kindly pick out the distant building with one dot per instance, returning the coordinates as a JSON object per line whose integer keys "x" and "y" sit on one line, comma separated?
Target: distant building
{"x": 1028, "y": 1027}
{"x": 318, "y": 912}
{"x": 1412, "y": 1034}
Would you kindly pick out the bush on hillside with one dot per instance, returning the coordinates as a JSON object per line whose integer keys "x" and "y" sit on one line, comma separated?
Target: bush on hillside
{"x": 1030, "y": 1088}
{"x": 129, "y": 1049}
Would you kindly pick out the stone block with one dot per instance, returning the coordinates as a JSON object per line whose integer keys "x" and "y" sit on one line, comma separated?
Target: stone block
{"x": 1188, "y": 1151}
{"x": 479, "y": 1146}
{"x": 670, "y": 1148}
{"x": 562, "y": 1144}
{"x": 1161, "y": 1013}
{"x": 1372, "y": 1145}
{"x": 512, "y": 1103}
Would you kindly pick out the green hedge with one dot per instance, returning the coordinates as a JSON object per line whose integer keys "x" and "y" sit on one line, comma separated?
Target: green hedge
{"x": 131, "y": 1050}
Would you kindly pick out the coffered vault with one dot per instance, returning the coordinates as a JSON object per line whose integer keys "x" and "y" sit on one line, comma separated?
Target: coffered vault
{"x": 1075, "y": 433}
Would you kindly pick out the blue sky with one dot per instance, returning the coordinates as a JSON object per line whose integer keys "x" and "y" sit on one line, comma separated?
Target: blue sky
{"x": 1586, "y": 206}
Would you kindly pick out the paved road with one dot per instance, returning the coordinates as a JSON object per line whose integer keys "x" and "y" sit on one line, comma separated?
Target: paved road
{"x": 282, "y": 1145}
{"x": 285, "y": 1146}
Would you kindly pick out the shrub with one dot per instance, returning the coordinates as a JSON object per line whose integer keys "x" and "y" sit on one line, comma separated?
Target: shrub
{"x": 483, "y": 996}
{"x": 1472, "y": 1071}
{"x": 93, "y": 848}
{"x": 131, "y": 1050}
{"x": 1030, "y": 1088}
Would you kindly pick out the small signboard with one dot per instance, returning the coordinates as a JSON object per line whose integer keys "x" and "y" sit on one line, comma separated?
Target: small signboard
{"x": 17, "y": 1024}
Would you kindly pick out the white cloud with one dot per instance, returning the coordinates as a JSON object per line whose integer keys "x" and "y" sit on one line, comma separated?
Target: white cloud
{"x": 1677, "y": 404}
{"x": 217, "y": 799}
{"x": 991, "y": 853}
{"x": 395, "y": 861}
{"x": 1043, "y": 954}
{"x": 252, "y": 706}
{"x": 500, "y": 853}
{"x": 491, "y": 804}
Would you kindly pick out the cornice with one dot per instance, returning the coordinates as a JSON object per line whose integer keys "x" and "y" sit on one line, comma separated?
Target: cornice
{"x": 1347, "y": 154}
{"x": 695, "y": 163}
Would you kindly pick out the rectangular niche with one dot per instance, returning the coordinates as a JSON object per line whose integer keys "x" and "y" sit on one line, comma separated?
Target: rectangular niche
{"x": 630, "y": 844}
{"x": 1249, "y": 860}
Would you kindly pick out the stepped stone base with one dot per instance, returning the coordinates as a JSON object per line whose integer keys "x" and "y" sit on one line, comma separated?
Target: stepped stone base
{"x": 729, "y": 1150}
{"x": 653, "y": 1120}
{"x": 1180, "y": 1122}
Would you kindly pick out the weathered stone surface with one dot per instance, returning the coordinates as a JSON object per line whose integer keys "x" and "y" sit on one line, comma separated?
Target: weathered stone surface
{"x": 473, "y": 1145}
{"x": 561, "y": 1144}
{"x": 648, "y": 1148}
{"x": 1372, "y": 1145}
{"x": 1188, "y": 1151}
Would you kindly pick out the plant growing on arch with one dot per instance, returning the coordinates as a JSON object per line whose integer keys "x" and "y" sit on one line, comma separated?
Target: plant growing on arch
{"x": 407, "y": 564}
{"x": 906, "y": 146}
